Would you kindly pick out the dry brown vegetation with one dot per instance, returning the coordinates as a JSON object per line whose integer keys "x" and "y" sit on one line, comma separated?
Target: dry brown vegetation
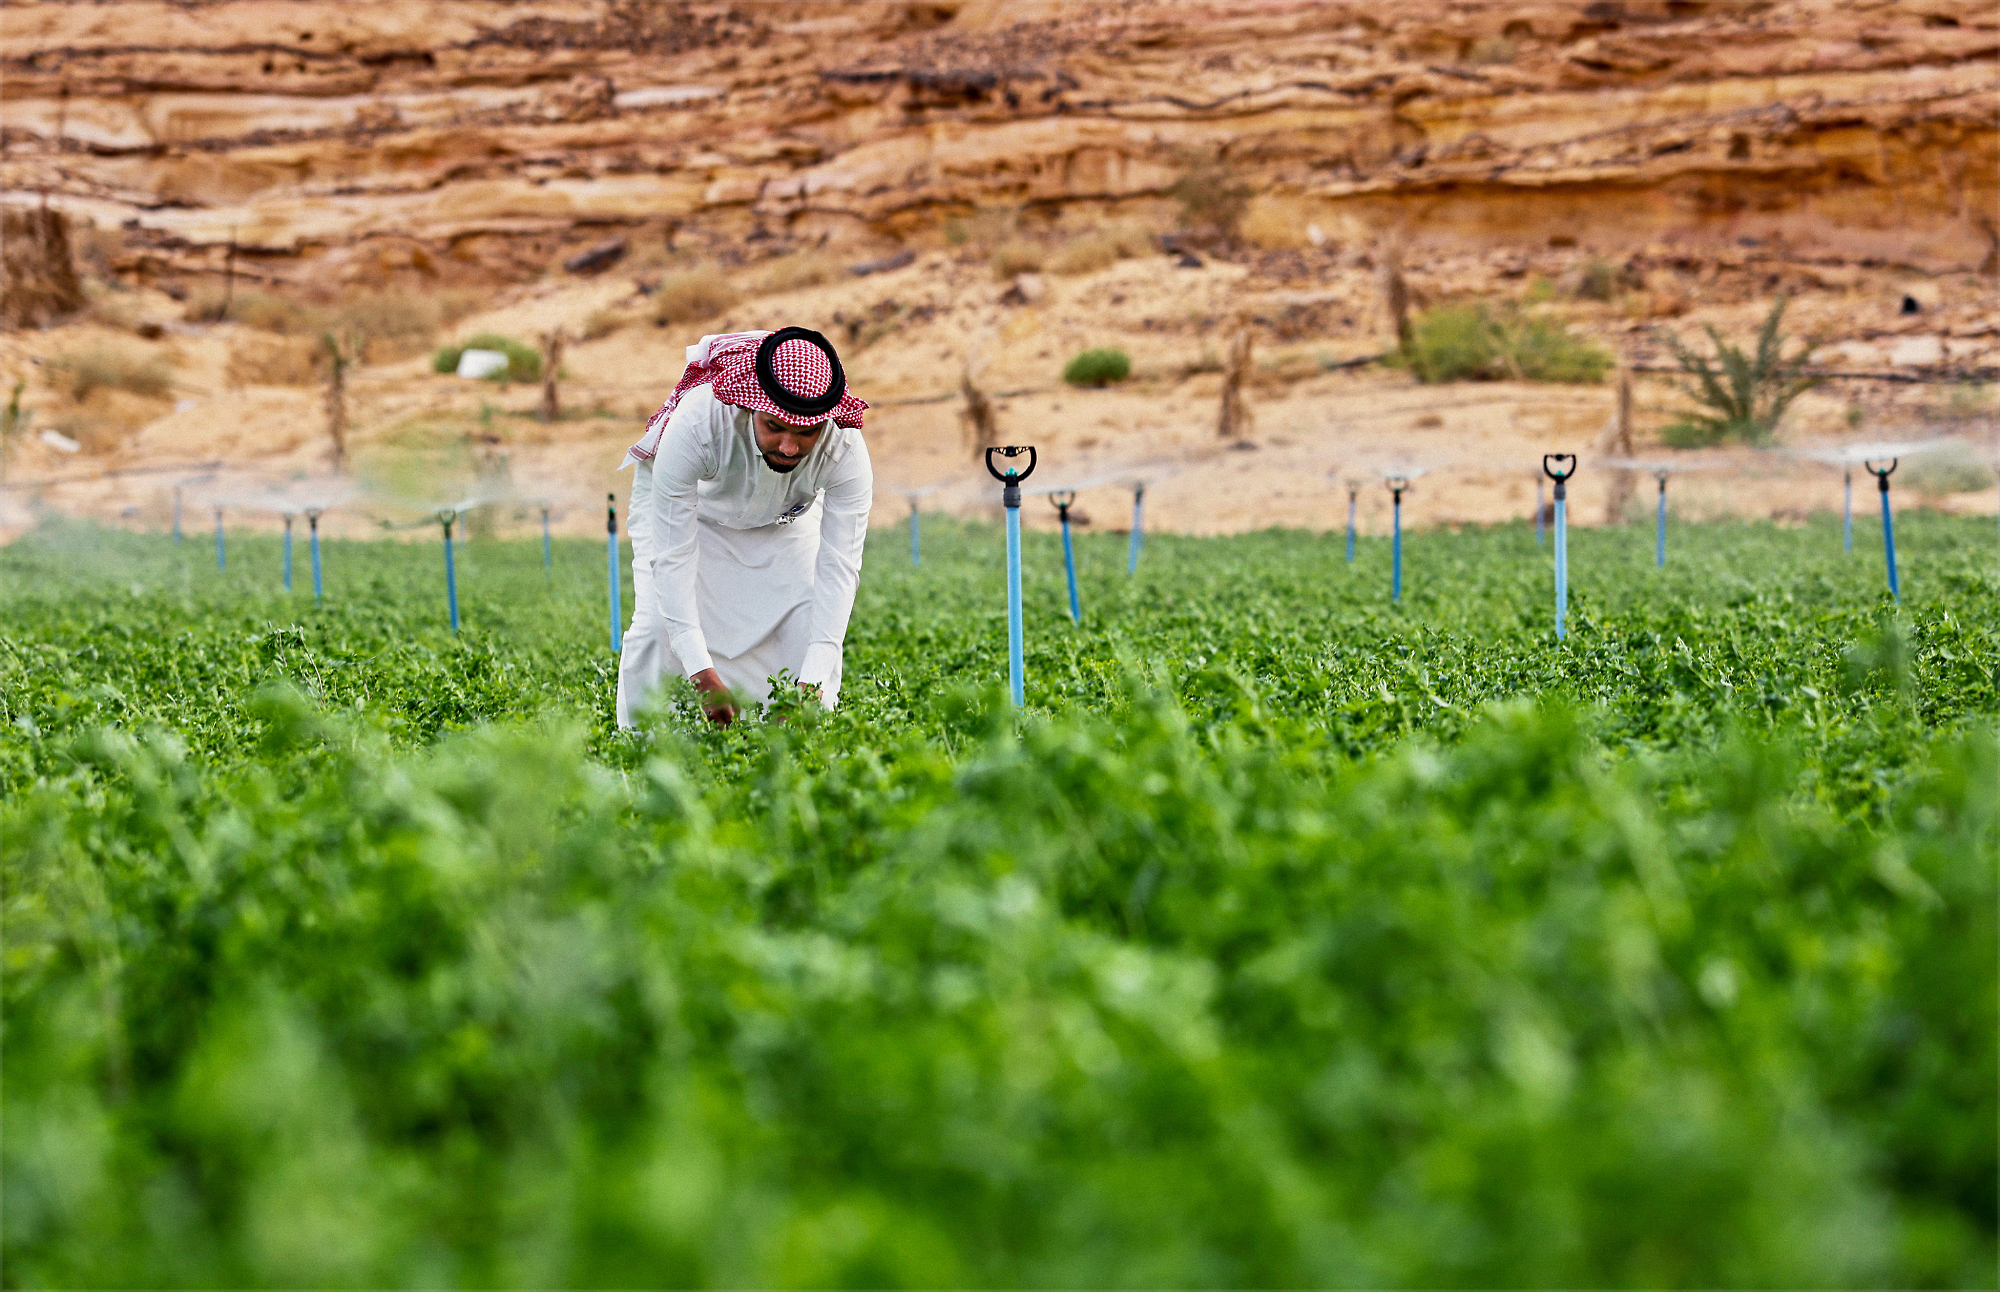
{"x": 1018, "y": 256}
{"x": 692, "y": 296}
{"x": 108, "y": 366}
{"x": 275, "y": 361}
{"x": 1100, "y": 249}
{"x": 799, "y": 271}
{"x": 384, "y": 326}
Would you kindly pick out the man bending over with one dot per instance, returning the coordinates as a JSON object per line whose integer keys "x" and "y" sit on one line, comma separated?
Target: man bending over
{"x": 750, "y": 503}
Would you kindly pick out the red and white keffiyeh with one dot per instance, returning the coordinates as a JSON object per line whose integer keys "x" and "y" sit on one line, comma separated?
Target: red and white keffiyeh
{"x": 727, "y": 362}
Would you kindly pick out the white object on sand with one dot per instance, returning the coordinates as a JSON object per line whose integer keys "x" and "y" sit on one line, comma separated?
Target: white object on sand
{"x": 480, "y": 364}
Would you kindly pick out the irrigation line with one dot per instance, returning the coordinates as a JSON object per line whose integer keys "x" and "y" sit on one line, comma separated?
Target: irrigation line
{"x": 1828, "y": 374}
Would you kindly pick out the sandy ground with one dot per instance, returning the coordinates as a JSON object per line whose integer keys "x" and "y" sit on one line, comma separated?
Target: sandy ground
{"x": 907, "y": 336}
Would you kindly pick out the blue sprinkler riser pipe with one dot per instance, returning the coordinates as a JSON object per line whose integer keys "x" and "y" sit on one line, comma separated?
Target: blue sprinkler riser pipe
{"x": 288, "y": 553}
{"x": 548, "y": 556}
{"x": 313, "y": 522}
{"x": 221, "y": 555}
{"x": 1847, "y": 512}
{"x": 916, "y": 539}
{"x": 611, "y": 547}
{"x": 1889, "y": 541}
{"x": 1015, "y": 665}
{"x": 1350, "y": 527}
{"x": 1660, "y": 529}
{"x": 450, "y": 578}
{"x": 1069, "y": 567}
{"x": 1562, "y": 565}
{"x": 1138, "y": 530}
{"x": 177, "y": 513}
{"x": 1562, "y": 532}
{"x": 1396, "y": 554}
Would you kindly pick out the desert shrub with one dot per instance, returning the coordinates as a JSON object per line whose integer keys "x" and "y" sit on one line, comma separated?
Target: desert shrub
{"x": 603, "y": 323}
{"x": 985, "y": 227}
{"x": 692, "y": 296}
{"x": 105, "y": 366}
{"x": 1098, "y": 249}
{"x": 1538, "y": 347}
{"x": 799, "y": 271}
{"x": 1209, "y": 360}
{"x": 1953, "y": 470}
{"x": 1451, "y": 343}
{"x": 524, "y": 362}
{"x": 1016, "y": 256}
{"x": 389, "y": 325}
{"x": 1744, "y": 395}
{"x": 1084, "y": 255}
{"x": 1597, "y": 281}
{"x": 1467, "y": 342}
{"x": 1098, "y": 367}
{"x": 275, "y": 361}
{"x": 252, "y": 307}
{"x": 1212, "y": 202}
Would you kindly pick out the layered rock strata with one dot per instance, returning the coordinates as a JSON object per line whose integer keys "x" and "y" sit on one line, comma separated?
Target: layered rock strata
{"x": 334, "y": 143}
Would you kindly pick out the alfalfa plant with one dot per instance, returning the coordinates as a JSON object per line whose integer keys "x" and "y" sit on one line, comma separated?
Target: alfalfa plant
{"x": 1745, "y": 395}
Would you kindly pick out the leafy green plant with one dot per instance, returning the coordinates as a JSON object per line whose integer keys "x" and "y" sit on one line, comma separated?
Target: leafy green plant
{"x": 1469, "y": 342}
{"x": 1098, "y": 367}
{"x": 1745, "y": 395}
{"x": 1280, "y": 940}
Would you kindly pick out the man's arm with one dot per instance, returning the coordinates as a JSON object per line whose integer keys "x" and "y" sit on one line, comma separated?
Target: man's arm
{"x": 842, "y": 531}
{"x": 682, "y": 462}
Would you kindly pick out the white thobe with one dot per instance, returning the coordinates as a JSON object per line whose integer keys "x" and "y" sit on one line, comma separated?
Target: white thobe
{"x": 738, "y": 567}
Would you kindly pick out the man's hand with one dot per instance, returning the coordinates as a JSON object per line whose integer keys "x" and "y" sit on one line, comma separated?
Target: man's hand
{"x": 715, "y": 701}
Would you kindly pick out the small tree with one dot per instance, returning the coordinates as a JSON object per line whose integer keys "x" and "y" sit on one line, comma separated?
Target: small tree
{"x": 13, "y": 422}
{"x": 1746, "y": 394}
{"x": 981, "y": 424}
{"x": 1213, "y": 202}
{"x": 552, "y": 351}
{"x": 1235, "y": 419}
{"x": 339, "y": 355}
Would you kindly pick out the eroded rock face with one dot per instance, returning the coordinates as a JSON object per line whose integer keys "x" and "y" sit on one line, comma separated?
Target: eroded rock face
{"x": 460, "y": 140}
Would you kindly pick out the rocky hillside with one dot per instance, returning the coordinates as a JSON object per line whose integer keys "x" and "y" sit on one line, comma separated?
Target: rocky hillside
{"x": 477, "y": 141}
{"x": 620, "y": 176}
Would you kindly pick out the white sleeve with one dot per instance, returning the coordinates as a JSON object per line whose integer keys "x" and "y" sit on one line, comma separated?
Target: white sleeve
{"x": 843, "y": 530}
{"x": 686, "y": 456}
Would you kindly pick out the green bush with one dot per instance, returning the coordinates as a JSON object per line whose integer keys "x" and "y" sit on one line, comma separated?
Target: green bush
{"x": 1472, "y": 343}
{"x": 1744, "y": 395}
{"x": 524, "y": 362}
{"x": 1097, "y": 367}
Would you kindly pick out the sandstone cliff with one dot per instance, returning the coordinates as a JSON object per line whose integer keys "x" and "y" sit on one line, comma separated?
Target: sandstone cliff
{"x": 465, "y": 140}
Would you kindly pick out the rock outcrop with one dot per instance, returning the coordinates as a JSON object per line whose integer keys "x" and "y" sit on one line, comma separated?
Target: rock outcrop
{"x": 462, "y": 140}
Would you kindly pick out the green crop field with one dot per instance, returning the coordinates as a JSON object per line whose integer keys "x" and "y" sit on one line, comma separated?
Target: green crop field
{"x": 1290, "y": 936}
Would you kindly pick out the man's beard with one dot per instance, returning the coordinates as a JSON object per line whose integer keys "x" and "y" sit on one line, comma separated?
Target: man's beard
{"x": 781, "y": 470}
